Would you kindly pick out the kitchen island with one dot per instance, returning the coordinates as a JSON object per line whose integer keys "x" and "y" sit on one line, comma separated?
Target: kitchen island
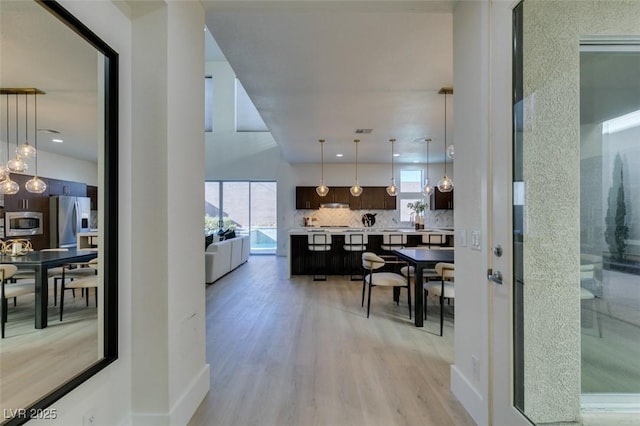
{"x": 337, "y": 261}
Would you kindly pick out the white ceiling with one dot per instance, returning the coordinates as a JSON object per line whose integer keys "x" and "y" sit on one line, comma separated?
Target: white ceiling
{"x": 317, "y": 69}
{"x": 37, "y": 50}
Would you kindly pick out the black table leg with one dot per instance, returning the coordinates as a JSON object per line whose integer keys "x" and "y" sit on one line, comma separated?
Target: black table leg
{"x": 42, "y": 296}
{"x": 417, "y": 289}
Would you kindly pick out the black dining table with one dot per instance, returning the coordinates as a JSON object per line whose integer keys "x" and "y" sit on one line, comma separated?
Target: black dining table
{"x": 422, "y": 258}
{"x": 41, "y": 262}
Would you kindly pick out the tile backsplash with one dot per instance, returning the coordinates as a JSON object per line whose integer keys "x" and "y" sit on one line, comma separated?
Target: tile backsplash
{"x": 384, "y": 218}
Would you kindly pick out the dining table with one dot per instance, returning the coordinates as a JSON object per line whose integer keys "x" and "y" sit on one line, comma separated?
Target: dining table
{"x": 423, "y": 258}
{"x": 41, "y": 262}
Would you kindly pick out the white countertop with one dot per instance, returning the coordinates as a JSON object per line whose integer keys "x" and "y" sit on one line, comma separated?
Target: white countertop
{"x": 370, "y": 231}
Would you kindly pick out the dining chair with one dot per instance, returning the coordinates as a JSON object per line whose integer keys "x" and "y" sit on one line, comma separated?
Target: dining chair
{"x": 372, "y": 263}
{"x": 11, "y": 290}
{"x": 444, "y": 289}
{"x": 86, "y": 282}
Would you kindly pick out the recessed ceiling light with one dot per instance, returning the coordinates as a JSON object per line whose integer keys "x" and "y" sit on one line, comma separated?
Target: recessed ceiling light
{"x": 396, "y": 155}
{"x": 339, "y": 155}
{"x": 57, "y": 140}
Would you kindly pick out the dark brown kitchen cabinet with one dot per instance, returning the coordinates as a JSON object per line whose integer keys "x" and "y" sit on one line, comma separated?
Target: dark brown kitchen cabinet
{"x": 441, "y": 200}
{"x": 24, "y": 201}
{"x": 92, "y": 193}
{"x": 307, "y": 198}
{"x": 64, "y": 187}
{"x": 373, "y": 198}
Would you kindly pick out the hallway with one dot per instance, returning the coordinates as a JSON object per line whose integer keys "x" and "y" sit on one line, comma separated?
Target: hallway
{"x": 298, "y": 352}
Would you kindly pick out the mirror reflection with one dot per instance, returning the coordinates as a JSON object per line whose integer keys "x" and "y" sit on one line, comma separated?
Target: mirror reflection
{"x": 50, "y": 204}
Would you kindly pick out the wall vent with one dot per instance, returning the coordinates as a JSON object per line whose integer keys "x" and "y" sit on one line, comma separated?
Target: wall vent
{"x": 363, "y": 131}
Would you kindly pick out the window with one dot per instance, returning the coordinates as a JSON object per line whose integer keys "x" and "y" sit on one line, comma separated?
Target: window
{"x": 248, "y": 118}
{"x": 208, "y": 104}
{"x": 411, "y": 181}
{"x": 249, "y": 207}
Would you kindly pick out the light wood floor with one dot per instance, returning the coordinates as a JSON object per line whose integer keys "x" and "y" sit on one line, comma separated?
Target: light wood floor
{"x": 298, "y": 352}
{"x": 34, "y": 362}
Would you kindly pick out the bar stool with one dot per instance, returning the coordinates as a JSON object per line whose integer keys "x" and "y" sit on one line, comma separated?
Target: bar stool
{"x": 319, "y": 242}
{"x": 392, "y": 242}
{"x": 355, "y": 244}
{"x": 433, "y": 240}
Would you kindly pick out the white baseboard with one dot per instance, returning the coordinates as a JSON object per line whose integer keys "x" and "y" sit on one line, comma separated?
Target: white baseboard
{"x": 183, "y": 409}
{"x": 469, "y": 396}
{"x": 187, "y": 404}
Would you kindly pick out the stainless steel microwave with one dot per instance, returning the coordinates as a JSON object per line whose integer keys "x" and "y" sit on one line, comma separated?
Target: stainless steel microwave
{"x": 18, "y": 224}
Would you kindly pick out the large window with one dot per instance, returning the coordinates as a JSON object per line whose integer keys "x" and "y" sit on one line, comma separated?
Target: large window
{"x": 410, "y": 192}
{"x": 248, "y": 207}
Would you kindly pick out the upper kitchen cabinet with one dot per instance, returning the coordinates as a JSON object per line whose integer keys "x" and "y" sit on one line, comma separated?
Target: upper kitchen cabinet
{"x": 92, "y": 193}
{"x": 24, "y": 200}
{"x": 307, "y": 198}
{"x": 373, "y": 198}
{"x": 63, "y": 187}
{"x": 441, "y": 200}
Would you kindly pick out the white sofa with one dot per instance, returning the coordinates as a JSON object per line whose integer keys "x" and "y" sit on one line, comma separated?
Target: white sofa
{"x": 223, "y": 257}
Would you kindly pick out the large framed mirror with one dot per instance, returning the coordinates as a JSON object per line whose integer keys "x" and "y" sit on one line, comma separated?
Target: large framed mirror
{"x": 60, "y": 93}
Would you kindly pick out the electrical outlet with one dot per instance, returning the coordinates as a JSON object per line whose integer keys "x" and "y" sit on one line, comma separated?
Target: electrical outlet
{"x": 89, "y": 419}
{"x": 475, "y": 367}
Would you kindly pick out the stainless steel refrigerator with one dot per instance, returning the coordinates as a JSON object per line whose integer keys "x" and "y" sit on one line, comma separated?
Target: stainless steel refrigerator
{"x": 67, "y": 216}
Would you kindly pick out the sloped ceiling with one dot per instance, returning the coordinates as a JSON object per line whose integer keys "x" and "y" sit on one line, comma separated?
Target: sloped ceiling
{"x": 318, "y": 69}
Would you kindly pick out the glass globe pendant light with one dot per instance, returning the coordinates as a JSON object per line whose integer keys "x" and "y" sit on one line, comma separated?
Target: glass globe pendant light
{"x": 323, "y": 189}
{"x": 356, "y": 190}
{"x": 445, "y": 184}
{"x": 392, "y": 189}
{"x": 35, "y": 184}
{"x": 26, "y": 150}
{"x": 427, "y": 189}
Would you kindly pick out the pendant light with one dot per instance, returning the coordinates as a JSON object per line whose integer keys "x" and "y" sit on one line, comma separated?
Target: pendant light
{"x": 17, "y": 165}
{"x": 445, "y": 184}
{"x": 356, "y": 190}
{"x": 428, "y": 189}
{"x": 4, "y": 173}
{"x": 26, "y": 150}
{"x": 35, "y": 184}
{"x": 323, "y": 189}
{"x": 7, "y": 186}
{"x": 392, "y": 189}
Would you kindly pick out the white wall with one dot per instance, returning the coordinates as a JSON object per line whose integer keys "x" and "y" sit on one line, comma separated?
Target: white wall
{"x": 66, "y": 168}
{"x": 471, "y": 167}
{"x": 160, "y": 374}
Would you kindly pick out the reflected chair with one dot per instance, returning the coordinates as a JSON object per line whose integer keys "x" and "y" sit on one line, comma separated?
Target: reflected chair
{"x": 54, "y": 273}
{"x": 86, "y": 282}
{"x": 355, "y": 244}
{"x": 72, "y": 271}
{"x": 371, "y": 263}
{"x": 11, "y": 290}
{"x": 444, "y": 289}
{"x": 319, "y": 242}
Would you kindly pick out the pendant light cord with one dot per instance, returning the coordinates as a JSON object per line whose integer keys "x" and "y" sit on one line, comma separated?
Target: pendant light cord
{"x": 428, "y": 159}
{"x": 26, "y": 116}
{"x": 356, "y": 141}
{"x": 445, "y": 133}
{"x": 392, "y": 141}
{"x": 35, "y": 128}
{"x": 7, "y": 97}
{"x": 16, "y": 122}
{"x": 322, "y": 162}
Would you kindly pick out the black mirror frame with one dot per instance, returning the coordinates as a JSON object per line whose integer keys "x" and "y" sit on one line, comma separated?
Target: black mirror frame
{"x": 109, "y": 204}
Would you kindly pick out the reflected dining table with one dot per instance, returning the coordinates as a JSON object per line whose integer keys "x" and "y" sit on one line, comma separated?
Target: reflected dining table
{"x": 41, "y": 262}
{"x": 422, "y": 258}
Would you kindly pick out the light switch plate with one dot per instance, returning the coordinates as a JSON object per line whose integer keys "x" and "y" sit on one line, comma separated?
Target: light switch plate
{"x": 476, "y": 240}
{"x": 462, "y": 237}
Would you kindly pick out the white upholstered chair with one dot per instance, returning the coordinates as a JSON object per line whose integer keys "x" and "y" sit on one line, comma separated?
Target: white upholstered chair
{"x": 444, "y": 289}
{"x": 11, "y": 290}
{"x": 85, "y": 280}
{"x": 372, "y": 263}
{"x": 319, "y": 242}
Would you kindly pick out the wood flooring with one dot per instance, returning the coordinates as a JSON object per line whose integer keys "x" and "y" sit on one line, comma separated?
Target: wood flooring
{"x": 298, "y": 352}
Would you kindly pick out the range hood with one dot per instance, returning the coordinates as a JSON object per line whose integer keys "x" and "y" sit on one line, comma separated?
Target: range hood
{"x": 334, "y": 206}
